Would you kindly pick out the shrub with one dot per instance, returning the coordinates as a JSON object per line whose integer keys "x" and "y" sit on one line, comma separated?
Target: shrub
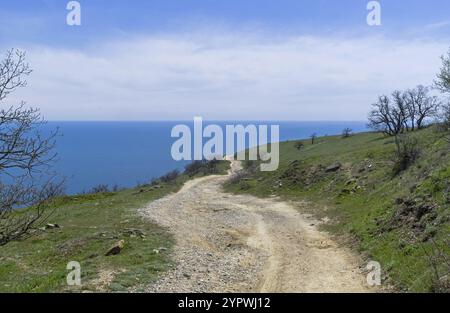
{"x": 193, "y": 168}
{"x": 299, "y": 145}
{"x": 116, "y": 188}
{"x": 347, "y": 132}
{"x": 407, "y": 151}
{"x": 237, "y": 177}
{"x": 202, "y": 167}
{"x": 170, "y": 177}
{"x": 249, "y": 169}
{"x": 250, "y": 166}
{"x": 446, "y": 114}
{"x": 102, "y": 188}
{"x": 440, "y": 264}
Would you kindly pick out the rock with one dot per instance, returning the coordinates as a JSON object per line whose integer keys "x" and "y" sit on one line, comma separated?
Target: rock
{"x": 346, "y": 191}
{"x": 114, "y": 250}
{"x": 130, "y": 232}
{"x": 333, "y": 168}
{"x": 399, "y": 201}
{"x": 51, "y": 226}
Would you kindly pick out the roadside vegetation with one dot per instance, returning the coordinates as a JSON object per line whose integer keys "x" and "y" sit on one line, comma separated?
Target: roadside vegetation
{"x": 42, "y": 230}
{"x": 387, "y": 193}
{"x": 401, "y": 221}
{"x": 83, "y": 228}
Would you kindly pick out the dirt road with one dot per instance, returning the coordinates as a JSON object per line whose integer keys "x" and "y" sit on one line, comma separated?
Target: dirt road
{"x": 240, "y": 243}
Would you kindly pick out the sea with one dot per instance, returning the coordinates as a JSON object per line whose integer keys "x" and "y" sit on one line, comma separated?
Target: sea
{"x": 127, "y": 154}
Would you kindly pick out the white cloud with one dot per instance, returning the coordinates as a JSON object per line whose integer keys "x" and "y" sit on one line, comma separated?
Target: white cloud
{"x": 226, "y": 76}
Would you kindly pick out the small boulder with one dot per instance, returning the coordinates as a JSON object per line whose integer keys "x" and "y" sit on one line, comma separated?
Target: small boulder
{"x": 114, "y": 250}
{"x": 333, "y": 168}
{"x": 51, "y": 226}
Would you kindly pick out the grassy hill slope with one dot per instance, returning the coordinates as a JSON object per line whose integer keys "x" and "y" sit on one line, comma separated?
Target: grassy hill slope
{"x": 89, "y": 225}
{"x": 400, "y": 220}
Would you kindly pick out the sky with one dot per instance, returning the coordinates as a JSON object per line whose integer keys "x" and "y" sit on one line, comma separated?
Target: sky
{"x": 222, "y": 59}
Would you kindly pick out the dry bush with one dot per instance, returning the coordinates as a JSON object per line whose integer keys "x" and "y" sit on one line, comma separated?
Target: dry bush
{"x": 439, "y": 260}
{"x": 407, "y": 151}
{"x": 170, "y": 177}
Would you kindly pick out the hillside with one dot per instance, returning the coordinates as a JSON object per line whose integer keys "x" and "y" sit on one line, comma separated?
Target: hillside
{"x": 398, "y": 219}
{"x": 87, "y": 226}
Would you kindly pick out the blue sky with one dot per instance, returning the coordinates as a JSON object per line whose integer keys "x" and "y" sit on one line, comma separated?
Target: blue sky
{"x": 229, "y": 59}
{"x": 43, "y": 21}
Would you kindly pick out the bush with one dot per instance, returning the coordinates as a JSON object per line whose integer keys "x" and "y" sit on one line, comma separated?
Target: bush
{"x": 102, "y": 188}
{"x": 407, "y": 151}
{"x": 116, "y": 188}
{"x": 237, "y": 177}
{"x": 202, "y": 167}
{"x": 249, "y": 169}
{"x": 250, "y": 166}
{"x": 446, "y": 114}
{"x": 193, "y": 168}
{"x": 299, "y": 145}
{"x": 170, "y": 177}
{"x": 347, "y": 132}
{"x": 440, "y": 264}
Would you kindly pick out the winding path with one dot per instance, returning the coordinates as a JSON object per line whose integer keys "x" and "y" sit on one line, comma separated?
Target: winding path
{"x": 240, "y": 243}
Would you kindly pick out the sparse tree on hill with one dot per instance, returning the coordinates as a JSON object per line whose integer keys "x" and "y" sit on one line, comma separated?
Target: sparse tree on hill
{"x": 25, "y": 157}
{"x": 347, "y": 132}
{"x": 404, "y": 111}
{"x": 386, "y": 117}
{"x": 442, "y": 81}
{"x": 313, "y": 138}
{"x": 400, "y": 111}
{"x": 421, "y": 105}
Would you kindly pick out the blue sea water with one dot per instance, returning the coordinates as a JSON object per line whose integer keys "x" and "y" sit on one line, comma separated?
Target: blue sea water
{"x": 128, "y": 153}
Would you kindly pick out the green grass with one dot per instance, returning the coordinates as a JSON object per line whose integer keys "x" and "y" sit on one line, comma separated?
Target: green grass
{"x": 360, "y": 198}
{"x": 90, "y": 225}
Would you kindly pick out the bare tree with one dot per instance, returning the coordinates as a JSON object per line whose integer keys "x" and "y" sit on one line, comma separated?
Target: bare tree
{"x": 313, "y": 137}
{"x": 347, "y": 132}
{"x": 421, "y": 105}
{"x": 388, "y": 116}
{"x": 400, "y": 112}
{"x": 404, "y": 111}
{"x": 442, "y": 81}
{"x": 412, "y": 97}
{"x": 25, "y": 157}
{"x": 380, "y": 118}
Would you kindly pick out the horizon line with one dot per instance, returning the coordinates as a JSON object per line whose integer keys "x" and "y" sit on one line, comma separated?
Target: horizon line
{"x": 212, "y": 120}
